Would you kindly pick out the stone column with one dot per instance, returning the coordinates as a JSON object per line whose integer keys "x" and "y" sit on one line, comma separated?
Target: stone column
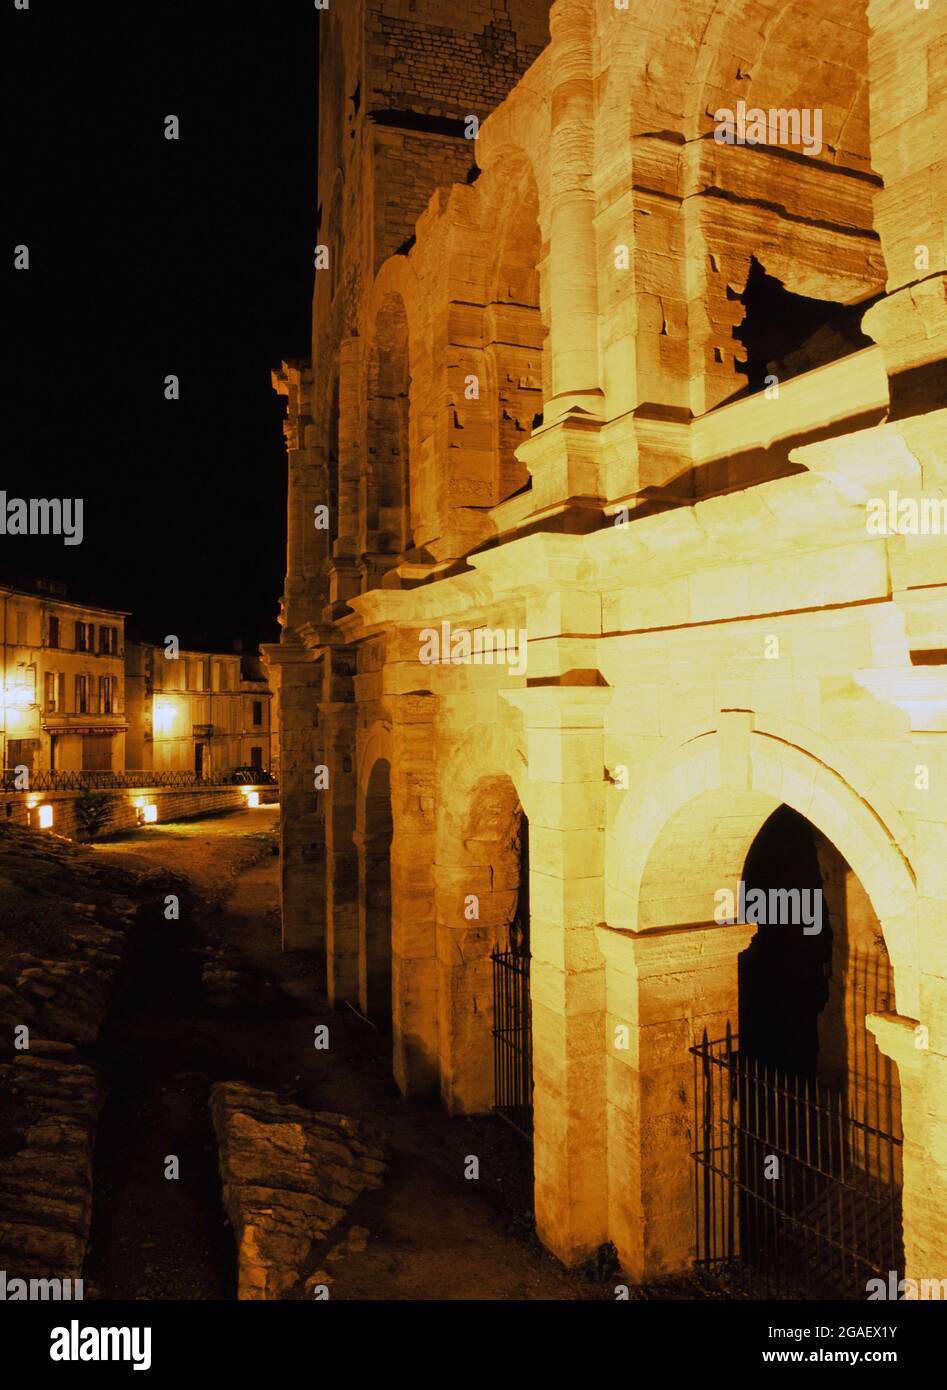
{"x": 339, "y": 719}
{"x": 302, "y": 808}
{"x": 908, "y": 96}
{"x": 663, "y": 988}
{"x": 572, "y": 269}
{"x": 566, "y": 829}
{"x": 413, "y": 929}
{"x": 923, "y": 1073}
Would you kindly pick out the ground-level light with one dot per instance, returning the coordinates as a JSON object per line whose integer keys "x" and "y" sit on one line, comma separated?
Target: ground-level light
{"x": 149, "y": 813}
{"x": 253, "y": 798}
{"x": 45, "y": 817}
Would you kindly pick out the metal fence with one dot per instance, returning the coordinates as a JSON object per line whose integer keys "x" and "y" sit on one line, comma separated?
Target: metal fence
{"x": 795, "y": 1196}
{"x": 512, "y": 1036}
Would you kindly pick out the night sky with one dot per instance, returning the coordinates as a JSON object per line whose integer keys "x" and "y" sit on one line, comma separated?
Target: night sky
{"x": 149, "y": 257}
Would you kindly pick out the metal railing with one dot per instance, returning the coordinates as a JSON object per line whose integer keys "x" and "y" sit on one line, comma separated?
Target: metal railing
{"x": 512, "y": 1037}
{"x": 795, "y": 1196}
{"x": 105, "y": 780}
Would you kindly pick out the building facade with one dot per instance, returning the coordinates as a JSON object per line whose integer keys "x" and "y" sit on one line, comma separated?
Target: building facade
{"x": 200, "y": 713}
{"x": 633, "y": 441}
{"x": 63, "y": 684}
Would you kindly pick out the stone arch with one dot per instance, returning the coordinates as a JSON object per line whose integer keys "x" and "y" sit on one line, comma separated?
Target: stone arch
{"x": 806, "y": 219}
{"x": 703, "y": 800}
{"x": 397, "y": 331}
{"x": 384, "y": 505}
{"x": 480, "y": 828}
{"x": 515, "y": 325}
{"x": 517, "y": 130}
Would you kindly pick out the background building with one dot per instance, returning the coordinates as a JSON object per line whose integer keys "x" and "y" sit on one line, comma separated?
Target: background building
{"x": 63, "y": 692}
{"x": 204, "y": 713}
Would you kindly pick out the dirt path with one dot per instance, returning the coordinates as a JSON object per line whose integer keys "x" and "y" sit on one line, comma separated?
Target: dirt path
{"x": 431, "y": 1234}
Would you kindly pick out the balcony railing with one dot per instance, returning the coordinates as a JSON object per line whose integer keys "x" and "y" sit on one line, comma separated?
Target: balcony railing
{"x": 105, "y": 780}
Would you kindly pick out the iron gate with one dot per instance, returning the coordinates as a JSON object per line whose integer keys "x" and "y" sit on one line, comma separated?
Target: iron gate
{"x": 512, "y": 1034}
{"x": 795, "y": 1197}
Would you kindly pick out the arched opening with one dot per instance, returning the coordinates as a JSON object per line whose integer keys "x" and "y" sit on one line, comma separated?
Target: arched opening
{"x": 785, "y": 206}
{"x": 780, "y": 1159}
{"x": 516, "y": 331}
{"x": 385, "y": 504}
{"x": 482, "y": 877}
{"x": 806, "y": 1122}
{"x": 375, "y": 896}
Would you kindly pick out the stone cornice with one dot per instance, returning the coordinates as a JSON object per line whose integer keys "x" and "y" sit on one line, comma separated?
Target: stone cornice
{"x": 920, "y": 691}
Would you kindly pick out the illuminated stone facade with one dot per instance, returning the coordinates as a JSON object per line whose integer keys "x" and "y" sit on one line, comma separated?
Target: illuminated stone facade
{"x": 636, "y": 392}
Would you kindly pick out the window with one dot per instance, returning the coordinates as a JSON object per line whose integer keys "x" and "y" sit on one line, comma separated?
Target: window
{"x": 256, "y": 757}
{"x": 24, "y": 686}
{"x": 21, "y": 638}
{"x": 85, "y": 637}
{"x": 82, "y": 693}
{"x": 50, "y": 692}
{"x": 108, "y": 641}
{"x": 53, "y": 630}
{"x": 258, "y": 712}
{"x": 106, "y": 694}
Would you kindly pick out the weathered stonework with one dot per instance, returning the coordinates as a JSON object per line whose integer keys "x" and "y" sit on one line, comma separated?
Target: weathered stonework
{"x": 540, "y": 415}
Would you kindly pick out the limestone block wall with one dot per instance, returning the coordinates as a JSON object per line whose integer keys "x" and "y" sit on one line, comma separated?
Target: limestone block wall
{"x": 553, "y": 357}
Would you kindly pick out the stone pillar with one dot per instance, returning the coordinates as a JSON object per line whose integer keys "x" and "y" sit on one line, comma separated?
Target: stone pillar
{"x": 307, "y": 548}
{"x": 908, "y": 96}
{"x": 338, "y": 717}
{"x": 923, "y": 1073}
{"x": 413, "y": 930}
{"x": 566, "y": 830}
{"x": 572, "y": 269}
{"x": 663, "y": 988}
{"x": 302, "y": 807}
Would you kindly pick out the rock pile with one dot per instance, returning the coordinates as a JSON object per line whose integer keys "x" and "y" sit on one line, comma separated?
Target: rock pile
{"x": 50, "y": 1111}
{"x": 65, "y": 922}
{"x": 289, "y": 1176}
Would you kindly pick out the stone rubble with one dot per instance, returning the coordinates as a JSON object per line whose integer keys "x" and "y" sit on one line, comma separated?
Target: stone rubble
{"x": 289, "y": 1176}
{"x": 65, "y": 924}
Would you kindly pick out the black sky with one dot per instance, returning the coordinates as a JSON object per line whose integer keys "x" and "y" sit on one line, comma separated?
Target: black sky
{"x": 149, "y": 257}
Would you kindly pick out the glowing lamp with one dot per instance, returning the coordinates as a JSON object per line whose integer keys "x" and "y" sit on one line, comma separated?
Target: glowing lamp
{"x": 138, "y": 802}
{"x": 45, "y": 816}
